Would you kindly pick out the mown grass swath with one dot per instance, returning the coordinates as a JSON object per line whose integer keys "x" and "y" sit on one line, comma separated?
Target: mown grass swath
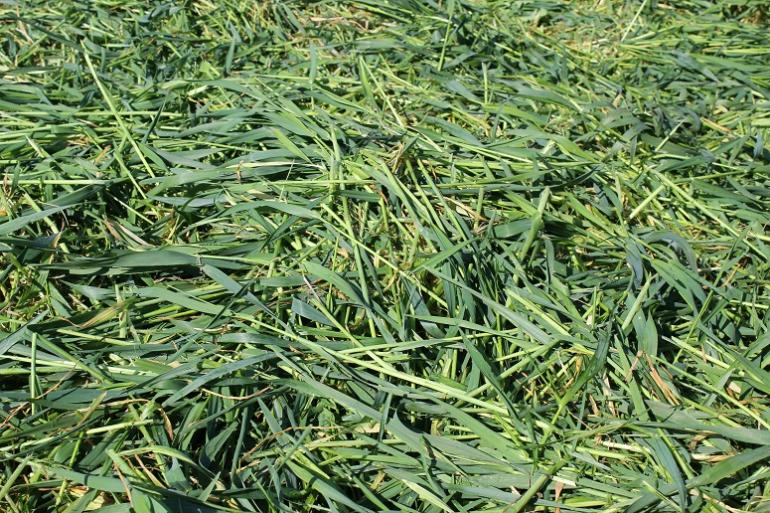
{"x": 403, "y": 255}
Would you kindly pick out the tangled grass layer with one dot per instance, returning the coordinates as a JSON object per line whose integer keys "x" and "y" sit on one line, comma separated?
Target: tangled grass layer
{"x": 393, "y": 256}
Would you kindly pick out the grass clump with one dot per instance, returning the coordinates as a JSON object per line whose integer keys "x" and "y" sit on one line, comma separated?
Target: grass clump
{"x": 460, "y": 256}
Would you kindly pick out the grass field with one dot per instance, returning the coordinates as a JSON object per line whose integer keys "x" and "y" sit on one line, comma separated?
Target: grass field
{"x": 473, "y": 256}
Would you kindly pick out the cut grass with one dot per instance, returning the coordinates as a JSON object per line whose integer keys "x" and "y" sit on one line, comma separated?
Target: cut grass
{"x": 384, "y": 256}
